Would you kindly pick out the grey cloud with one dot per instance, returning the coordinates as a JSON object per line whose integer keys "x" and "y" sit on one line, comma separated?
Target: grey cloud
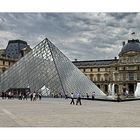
{"x": 120, "y": 16}
{"x": 79, "y": 35}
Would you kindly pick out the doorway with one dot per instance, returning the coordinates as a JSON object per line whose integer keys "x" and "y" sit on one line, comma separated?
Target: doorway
{"x": 116, "y": 88}
{"x": 131, "y": 89}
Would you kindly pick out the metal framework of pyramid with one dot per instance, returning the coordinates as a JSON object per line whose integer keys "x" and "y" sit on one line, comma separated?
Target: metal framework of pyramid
{"x": 48, "y": 68}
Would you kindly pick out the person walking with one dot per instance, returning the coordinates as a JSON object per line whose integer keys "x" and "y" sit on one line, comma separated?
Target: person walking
{"x": 72, "y": 99}
{"x": 93, "y": 95}
{"x": 40, "y": 96}
{"x": 34, "y": 96}
{"x": 31, "y": 96}
{"x": 66, "y": 96}
{"x": 20, "y": 96}
{"x": 25, "y": 96}
{"x": 78, "y": 99}
{"x": 126, "y": 93}
{"x": 2, "y": 95}
{"x": 87, "y": 95}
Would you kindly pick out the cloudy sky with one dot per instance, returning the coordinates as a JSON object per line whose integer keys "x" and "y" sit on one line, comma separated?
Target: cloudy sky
{"x": 82, "y": 36}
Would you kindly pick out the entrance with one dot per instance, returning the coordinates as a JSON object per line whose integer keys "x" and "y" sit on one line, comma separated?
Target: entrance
{"x": 131, "y": 89}
{"x": 116, "y": 88}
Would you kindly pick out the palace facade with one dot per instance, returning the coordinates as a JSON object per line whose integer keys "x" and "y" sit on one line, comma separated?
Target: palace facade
{"x": 15, "y": 50}
{"x": 123, "y": 72}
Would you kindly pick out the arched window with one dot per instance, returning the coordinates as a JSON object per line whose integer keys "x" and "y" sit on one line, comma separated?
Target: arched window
{"x": 98, "y": 77}
{"x": 91, "y": 77}
{"x": 106, "y": 76}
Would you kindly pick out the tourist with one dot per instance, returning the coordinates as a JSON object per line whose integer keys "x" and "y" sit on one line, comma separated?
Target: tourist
{"x": 60, "y": 95}
{"x": 25, "y": 96}
{"x": 20, "y": 96}
{"x": 72, "y": 99}
{"x": 34, "y": 96}
{"x": 93, "y": 95}
{"x": 40, "y": 96}
{"x": 118, "y": 97}
{"x": 12, "y": 95}
{"x": 6, "y": 95}
{"x": 31, "y": 96}
{"x": 66, "y": 96}
{"x": 78, "y": 99}
{"x": 2, "y": 94}
{"x": 126, "y": 93}
{"x": 87, "y": 95}
{"x": 9, "y": 95}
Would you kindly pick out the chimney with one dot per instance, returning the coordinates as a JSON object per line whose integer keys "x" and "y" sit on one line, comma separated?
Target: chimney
{"x": 115, "y": 58}
{"x": 75, "y": 59}
{"x": 123, "y": 43}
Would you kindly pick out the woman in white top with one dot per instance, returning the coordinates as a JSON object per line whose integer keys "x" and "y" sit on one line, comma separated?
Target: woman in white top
{"x": 34, "y": 96}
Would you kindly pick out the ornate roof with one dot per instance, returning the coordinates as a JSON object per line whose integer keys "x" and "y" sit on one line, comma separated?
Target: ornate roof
{"x": 132, "y": 45}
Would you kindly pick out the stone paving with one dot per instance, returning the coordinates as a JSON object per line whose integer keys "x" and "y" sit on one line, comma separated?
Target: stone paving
{"x": 59, "y": 113}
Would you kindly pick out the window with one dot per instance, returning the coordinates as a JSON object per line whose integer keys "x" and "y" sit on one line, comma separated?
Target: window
{"x": 124, "y": 76}
{"x": 106, "y": 69}
{"x": 98, "y": 77}
{"x": 6, "y": 63}
{"x": 106, "y": 88}
{"x": 138, "y": 76}
{"x": 102, "y": 69}
{"x": 94, "y": 69}
{"x": 116, "y": 76}
{"x": 121, "y": 68}
{"x": 81, "y": 70}
{"x": 91, "y": 77}
{"x": 87, "y": 70}
{"x": 130, "y": 76}
{"x": 106, "y": 76}
{"x": 3, "y": 62}
{"x": 91, "y": 69}
{"x": 3, "y": 69}
{"x": 131, "y": 68}
{"x": 102, "y": 79}
{"x": 137, "y": 59}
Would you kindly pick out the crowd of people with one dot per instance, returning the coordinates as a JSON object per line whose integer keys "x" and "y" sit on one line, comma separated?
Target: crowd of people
{"x": 33, "y": 96}
{"x": 21, "y": 95}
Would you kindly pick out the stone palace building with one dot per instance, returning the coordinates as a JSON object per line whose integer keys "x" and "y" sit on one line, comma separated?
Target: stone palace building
{"x": 123, "y": 72}
{"x": 15, "y": 50}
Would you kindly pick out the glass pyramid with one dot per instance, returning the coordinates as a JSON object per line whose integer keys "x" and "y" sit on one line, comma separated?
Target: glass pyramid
{"x": 47, "y": 68}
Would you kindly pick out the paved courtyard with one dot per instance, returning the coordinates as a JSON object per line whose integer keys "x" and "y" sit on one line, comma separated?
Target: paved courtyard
{"x": 59, "y": 113}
